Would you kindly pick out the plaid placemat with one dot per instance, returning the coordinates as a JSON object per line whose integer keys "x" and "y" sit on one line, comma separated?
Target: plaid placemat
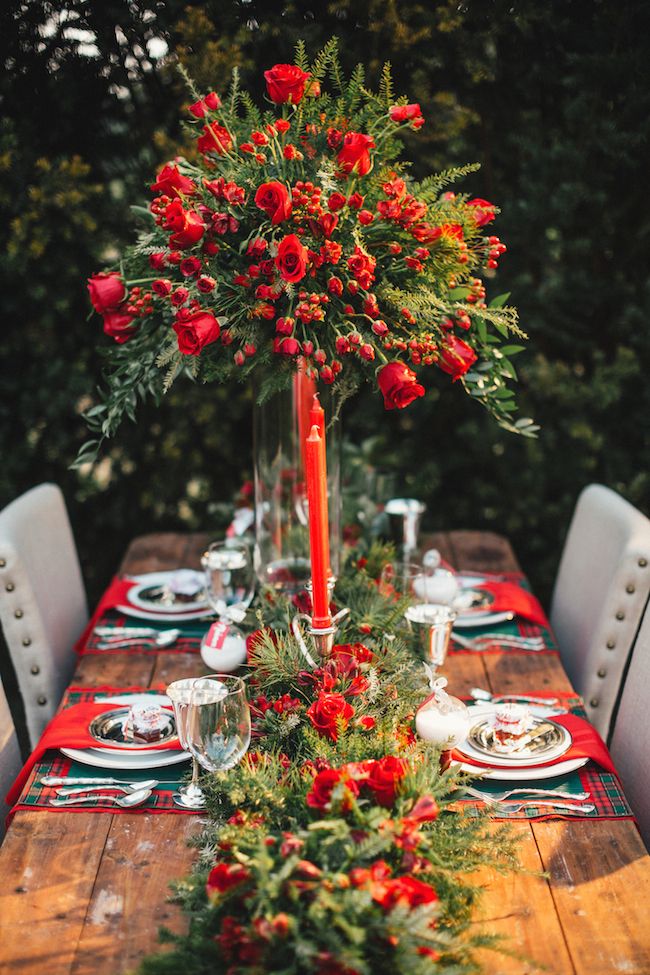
{"x": 37, "y": 796}
{"x": 516, "y": 627}
{"x": 606, "y": 792}
{"x": 189, "y": 641}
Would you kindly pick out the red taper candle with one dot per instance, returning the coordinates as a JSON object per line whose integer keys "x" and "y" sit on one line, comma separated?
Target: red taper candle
{"x": 319, "y": 542}
{"x": 317, "y": 416}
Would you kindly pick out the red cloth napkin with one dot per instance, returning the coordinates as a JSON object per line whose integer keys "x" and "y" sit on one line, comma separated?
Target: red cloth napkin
{"x": 69, "y": 729}
{"x": 115, "y": 595}
{"x": 585, "y": 743}
{"x": 509, "y": 597}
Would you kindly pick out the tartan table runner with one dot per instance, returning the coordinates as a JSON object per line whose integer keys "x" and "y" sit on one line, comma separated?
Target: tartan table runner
{"x": 606, "y": 792}
{"x": 516, "y": 627}
{"x": 37, "y": 796}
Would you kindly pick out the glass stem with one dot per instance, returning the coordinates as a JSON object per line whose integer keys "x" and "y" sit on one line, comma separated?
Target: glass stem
{"x": 196, "y": 768}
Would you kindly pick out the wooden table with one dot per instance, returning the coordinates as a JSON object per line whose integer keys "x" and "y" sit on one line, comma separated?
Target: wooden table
{"x": 86, "y": 892}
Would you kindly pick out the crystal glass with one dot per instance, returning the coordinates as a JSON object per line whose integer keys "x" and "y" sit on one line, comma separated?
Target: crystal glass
{"x": 400, "y": 577}
{"x": 280, "y": 429}
{"x": 404, "y": 516}
{"x": 229, "y": 578}
{"x": 189, "y": 796}
{"x": 219, "y": 723}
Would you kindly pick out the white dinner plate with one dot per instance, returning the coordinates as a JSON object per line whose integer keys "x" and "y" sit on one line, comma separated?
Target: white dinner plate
{"x": 111, "y": 758}
{"x": 136, "y": 597}
{"x": 482, "y": 619}
{"x": 170, "y": 618}
{"x": 524, "y": 774}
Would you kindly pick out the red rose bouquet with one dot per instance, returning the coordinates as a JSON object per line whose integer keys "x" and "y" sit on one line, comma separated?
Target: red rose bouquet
{"x": 297, "y": 235}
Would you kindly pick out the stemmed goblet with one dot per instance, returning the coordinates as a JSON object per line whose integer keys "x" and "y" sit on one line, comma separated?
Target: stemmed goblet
{"x": 189, "y": 796}
{"x": 219, "y": 722}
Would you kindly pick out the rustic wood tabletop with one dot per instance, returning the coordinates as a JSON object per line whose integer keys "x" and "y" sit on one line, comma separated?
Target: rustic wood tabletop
{"x": 86, "y": 893}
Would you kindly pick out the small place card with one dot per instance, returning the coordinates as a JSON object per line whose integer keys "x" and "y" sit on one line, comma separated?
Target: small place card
{"x": 216, "y": 635}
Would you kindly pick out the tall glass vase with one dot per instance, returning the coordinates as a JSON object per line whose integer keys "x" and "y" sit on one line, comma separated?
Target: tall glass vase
{"x": 280, "y": 428}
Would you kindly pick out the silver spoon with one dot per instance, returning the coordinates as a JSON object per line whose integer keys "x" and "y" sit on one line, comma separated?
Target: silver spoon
{"x": 565, "y": 806}
{"x": 498, "y": 797}
{"x": 164, "y": 639}
{"x": 127, "y": 788}
{"x": 126, "y": 802}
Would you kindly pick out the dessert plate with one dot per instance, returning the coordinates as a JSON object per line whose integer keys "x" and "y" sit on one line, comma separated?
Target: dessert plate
{"x": 480, "y": 745}
{"x": 147, "y": 595}
{"x": 111, "y": 758}
{"x": 482, "y": 619}
{"x": 470, "y": 602}
{"x": 110, "y": 727}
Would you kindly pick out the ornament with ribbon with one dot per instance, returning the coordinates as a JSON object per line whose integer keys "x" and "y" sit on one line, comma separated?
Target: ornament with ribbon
{"x": 441, "y": 719}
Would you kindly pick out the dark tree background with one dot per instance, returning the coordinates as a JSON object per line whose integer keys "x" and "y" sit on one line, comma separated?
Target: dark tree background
{"x": 553, "y": 99}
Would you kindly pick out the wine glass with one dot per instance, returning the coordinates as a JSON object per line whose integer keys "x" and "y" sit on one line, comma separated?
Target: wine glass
{"x": 229, "y": 578}
{"x": 189, "y": 796}
{"x": 219, "y": 722}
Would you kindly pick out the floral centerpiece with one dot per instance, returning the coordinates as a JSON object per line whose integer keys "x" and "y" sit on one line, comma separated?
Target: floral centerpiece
{"x": 296, "y": 235}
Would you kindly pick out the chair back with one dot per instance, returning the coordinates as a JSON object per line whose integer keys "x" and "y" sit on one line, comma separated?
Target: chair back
{"x": 600, "y": 594}
{"x": 10, "y": 761}
{"x": 43, "y": 605}
{"x": 630, "y": 745}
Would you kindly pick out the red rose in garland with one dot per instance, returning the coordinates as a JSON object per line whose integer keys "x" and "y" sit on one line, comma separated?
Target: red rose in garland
{"x": 354, "y": 157}
{"x": 384, "y": 777}
{"x": 291, "y": 259}
{"x": 107, "y": 291}
{"x": 407, "y": 113}
{"x": 483, "y": 212}
{"x": 274, "y": 199}
{"x": 196, "y": 331}
{"x": 407, "y": 891}
{"x": 171, "y": 182}
{"x": 224, "y": 877}
{"x": 320, "y": 795}
{"x": 286, "y": 83}
{"x": 399, "y": 385}
{"x": 330, "y": 714}
{"x": 187, "y": 225}
{"x": 456, "y": 357}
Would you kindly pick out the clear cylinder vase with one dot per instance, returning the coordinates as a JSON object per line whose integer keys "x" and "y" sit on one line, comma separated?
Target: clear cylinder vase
{"x": 280, "y": 429}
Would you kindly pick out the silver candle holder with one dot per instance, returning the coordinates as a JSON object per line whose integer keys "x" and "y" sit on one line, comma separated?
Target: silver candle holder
{"x": 322, "y": 637}
{"x": 432, "y": 624}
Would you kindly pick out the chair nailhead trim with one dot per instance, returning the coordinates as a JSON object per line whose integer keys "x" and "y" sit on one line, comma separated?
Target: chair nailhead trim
{"x": 594, "y": 702}
{"x": 642, "y": 563}
{"x": 35, "y": 669}
{"x": 602, "y": 672}
{"x": 10, "y": 587}
{"x": 629, "y": 588}
{"x": 42, "y": 699}
{"x": 620, "y": 615}
{"x": 611, "y": 644}
{"x": 18, "y": 614}
{"x": 3, "y": 562}
{"x": 27, "y": 641}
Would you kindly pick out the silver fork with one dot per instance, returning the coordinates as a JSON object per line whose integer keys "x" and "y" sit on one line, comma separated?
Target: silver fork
{"x": 495, "y": 799}
{"x": 503, "y": 639}
{"x": 564, "y": 806}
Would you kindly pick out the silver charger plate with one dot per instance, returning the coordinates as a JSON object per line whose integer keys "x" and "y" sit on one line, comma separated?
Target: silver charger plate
{"x": 477, "y": 746}
{"x": 150, "y": 593}
{"x": 109, "y": 728}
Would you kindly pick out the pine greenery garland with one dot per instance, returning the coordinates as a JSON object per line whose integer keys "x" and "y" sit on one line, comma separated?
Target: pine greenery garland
{"x": 292, "y": 880}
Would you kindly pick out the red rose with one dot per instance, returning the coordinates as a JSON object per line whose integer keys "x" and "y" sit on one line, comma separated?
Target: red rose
{"x": 171, "y": 182}
{"x": 336, "y": 202}
{"x": 274, "y": 199}
{"x": 215, "y": 138}
{"x": 456, "y": 357}
{"x": 323, "y": 785}
{"x": 291, "y": 259}
{"x": 330, "y": 715}
{"x": 107, "y": 291}
{"x": 407, "y": 891}
{"x": 354, "y": 157}
{"x": 224, "y": 877}
{"x": 399, "y": 385}
{"x": 407, "y": 113}
{"x": 286, "y": 346}
{"x": 117, "y": 324}
{"x": 196, "y": 331}
{"x": 286, "y": 83}
{"x": 384, "y": 777}
{"x": 186, "y": 225}
{"x": 482, "y": 211}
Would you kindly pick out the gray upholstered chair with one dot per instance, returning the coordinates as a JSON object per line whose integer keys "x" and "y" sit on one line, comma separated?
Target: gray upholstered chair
{"x": 600, "y": 595}
{"x": 10, "y": 761}
{"x": 42, "y": 600}
{"x": 630, "y": 745}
